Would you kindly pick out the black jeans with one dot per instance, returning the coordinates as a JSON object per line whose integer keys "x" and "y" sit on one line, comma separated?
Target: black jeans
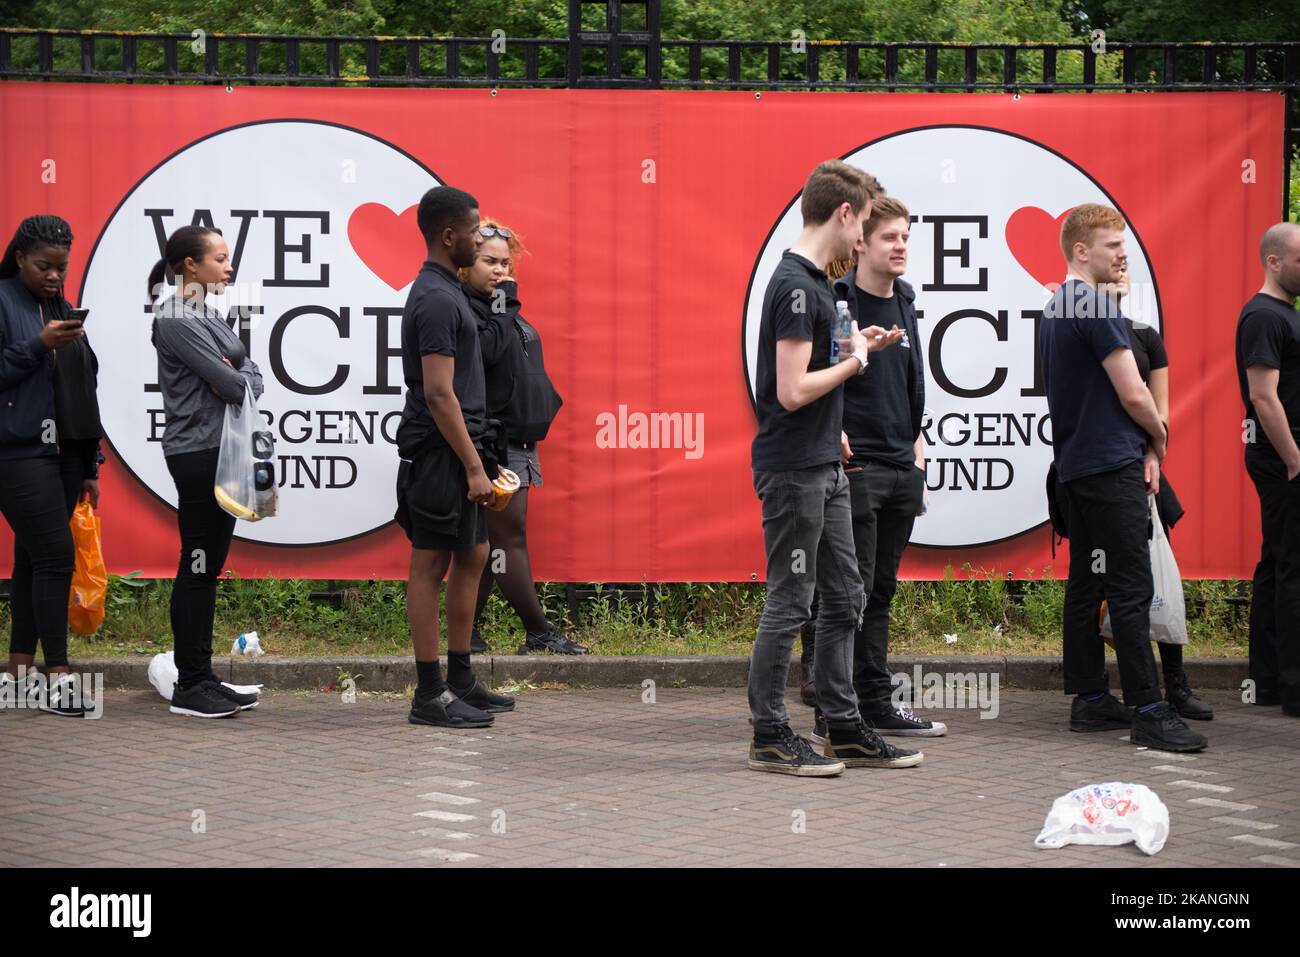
{"x": 206, "y": 531}
{"x": 1275, "y": 600}
{"x": 808, "y": 537}
{"x": 1110, "y": 557}
{"x": 886, "y": 500}
{"x": 37, "y": 496}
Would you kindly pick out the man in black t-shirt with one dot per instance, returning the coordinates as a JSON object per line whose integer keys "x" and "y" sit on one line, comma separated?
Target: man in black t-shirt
{"x": 1108, "y": 441}
{"x": 796, "y": 457}
{"x": 442, "y": 482}
{"x": 1268, "y": 372}
{"x": 883, "y": 411}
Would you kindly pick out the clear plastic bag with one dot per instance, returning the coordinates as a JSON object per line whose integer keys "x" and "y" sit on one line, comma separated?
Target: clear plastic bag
{"x": 1113, "y": 813}
{"x": 245, "y": 482}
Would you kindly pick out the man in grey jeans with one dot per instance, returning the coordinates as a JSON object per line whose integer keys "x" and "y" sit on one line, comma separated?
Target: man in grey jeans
{"x": 799, "y": 477}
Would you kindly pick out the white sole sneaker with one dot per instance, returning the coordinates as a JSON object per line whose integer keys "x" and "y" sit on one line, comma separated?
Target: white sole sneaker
{"x": 201, "y": 714}
{"x": 799, "y": 770}
{"x": 62, "y": 714}
{"x": 937, "y": 729}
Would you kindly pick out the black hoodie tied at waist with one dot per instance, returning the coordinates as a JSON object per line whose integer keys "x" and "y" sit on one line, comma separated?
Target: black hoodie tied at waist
{"x": 431, "y": 482}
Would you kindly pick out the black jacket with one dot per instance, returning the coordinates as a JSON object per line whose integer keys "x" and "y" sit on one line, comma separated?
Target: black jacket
{"x": 26, "y": 374}
{"x": 844, "y": 289}
{"x": 519, "y": 392}
{"x": 28, "y": 387}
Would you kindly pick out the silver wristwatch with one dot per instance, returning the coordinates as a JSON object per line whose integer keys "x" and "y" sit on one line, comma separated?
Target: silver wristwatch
{"x": 862, "y": 360}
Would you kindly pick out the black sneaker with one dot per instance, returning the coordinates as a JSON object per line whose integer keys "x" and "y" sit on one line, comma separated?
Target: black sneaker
{"x": 1162, "y": 729}
{"x": 479, "y": 697}
{"x": 1107, "y": 714}
{"x": 66, "y": 698}
{"x": 787, "y": 753}
{"x": 445, "y": 710}
{"x": 246, "y": 702}
{"x": 477, "y": 646}
{"x": 1179, "y": 694}
{"x": 858, "y": 746}
{"x": 203, "y": 700}
{"x": 901, "y": 722}
{"x": 818, "y": 736}
{"x": 551, "y": 640}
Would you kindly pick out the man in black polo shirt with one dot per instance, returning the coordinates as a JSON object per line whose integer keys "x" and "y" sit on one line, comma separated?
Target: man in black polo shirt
{"x": 1108, "y": 441}
{"x": 796, "y": 457}
{"x": 1268, "y": 370}
{"x": 443, "y": 482}
{"x": 883, "y": 411}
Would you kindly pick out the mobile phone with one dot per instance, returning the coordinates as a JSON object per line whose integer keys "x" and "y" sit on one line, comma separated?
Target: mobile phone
{"x": 78, "y": 315}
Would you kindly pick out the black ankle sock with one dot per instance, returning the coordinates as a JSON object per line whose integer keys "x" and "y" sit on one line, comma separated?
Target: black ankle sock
{"x": 430, "y": 678}
{"x": 460, "y": 675}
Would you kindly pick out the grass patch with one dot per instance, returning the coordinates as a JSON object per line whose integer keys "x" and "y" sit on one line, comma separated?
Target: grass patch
{"x": 987, "y": 613}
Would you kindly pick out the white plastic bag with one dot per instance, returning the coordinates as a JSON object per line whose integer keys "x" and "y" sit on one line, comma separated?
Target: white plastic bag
{"x": 247, "y": 645}
{"x": 1113, "y": 813}
{"x": 163, "y": 674}
{"x": 1168, "y": 607}
{"x": 245, "y": 482}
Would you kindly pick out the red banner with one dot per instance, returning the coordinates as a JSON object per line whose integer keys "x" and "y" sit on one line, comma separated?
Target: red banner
{"x": 652, "y": 221}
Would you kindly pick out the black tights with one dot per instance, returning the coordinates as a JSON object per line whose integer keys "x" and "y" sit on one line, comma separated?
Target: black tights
{"x": 37, "y": 496}
{"x": 206, "y": 531}
{"x": 508, "y": 566}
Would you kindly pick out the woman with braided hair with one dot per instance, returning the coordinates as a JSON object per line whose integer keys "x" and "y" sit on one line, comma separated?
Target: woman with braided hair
{"x": 49, "y": 449}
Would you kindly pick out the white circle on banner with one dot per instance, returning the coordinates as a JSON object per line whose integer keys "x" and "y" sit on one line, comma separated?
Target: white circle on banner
{"x": 987, "y": 207}
{"x": 320, "y": 222}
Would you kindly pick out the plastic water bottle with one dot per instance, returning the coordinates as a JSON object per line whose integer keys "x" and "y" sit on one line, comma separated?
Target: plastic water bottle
{"x": 841, "y": 328}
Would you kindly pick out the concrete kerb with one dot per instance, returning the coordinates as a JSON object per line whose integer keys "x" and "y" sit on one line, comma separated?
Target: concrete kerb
{"x": 596, "y": 671}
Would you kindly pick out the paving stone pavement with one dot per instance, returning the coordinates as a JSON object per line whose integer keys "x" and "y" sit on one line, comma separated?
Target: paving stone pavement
{"x": 599, "y": 778}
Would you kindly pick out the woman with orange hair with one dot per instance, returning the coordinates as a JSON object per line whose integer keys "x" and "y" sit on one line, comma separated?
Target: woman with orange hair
{"x": 520, "y": 394}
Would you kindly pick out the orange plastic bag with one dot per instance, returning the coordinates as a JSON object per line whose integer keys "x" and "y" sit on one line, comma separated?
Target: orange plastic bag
{"x": 90, "y": 580}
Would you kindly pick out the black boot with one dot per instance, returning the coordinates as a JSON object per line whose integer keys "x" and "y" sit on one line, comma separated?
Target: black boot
{"x": 1179, "y": 694}
{"x": 807, "y": 691}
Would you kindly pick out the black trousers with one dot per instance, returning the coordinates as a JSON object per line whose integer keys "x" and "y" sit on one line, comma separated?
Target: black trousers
{"x": 206, "y": 531}
{"x": 1275, "y": 601}
{"x": 37, "y": 496}
{"x": 1110, "y": 557}
{"x": 885, "y": 502}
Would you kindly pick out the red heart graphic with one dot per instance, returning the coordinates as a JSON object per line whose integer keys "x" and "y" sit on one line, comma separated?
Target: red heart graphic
{"x": 1034, "y": 238}
{"x": 388, "y": 243}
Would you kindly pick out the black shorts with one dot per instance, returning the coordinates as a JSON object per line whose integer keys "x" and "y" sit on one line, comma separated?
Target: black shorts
{"x": 472, "y": 532}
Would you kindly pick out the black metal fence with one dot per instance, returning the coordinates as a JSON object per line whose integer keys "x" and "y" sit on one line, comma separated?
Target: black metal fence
{"x": 617, "y": 44}
{"x": 586, "y": 60}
